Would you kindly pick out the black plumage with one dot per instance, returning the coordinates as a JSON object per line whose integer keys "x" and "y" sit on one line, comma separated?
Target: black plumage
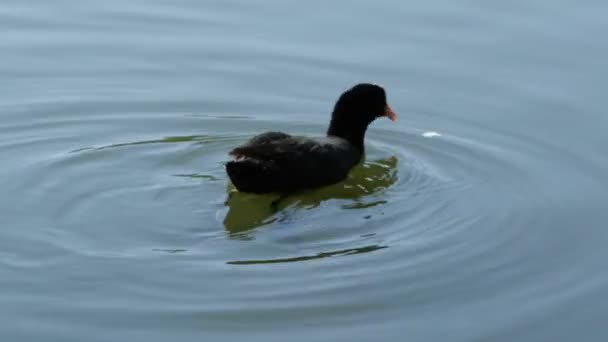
{"x": 279, "y": 162}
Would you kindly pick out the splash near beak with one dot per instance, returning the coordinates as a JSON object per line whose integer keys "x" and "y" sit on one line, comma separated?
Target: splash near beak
{"x": 388, "y": 112}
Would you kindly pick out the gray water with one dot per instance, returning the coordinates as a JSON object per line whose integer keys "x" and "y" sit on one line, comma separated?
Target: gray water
{"x": 479, "y": 216}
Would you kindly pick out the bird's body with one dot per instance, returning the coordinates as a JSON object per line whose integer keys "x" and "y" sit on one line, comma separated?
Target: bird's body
{"x": 279, "y": 162}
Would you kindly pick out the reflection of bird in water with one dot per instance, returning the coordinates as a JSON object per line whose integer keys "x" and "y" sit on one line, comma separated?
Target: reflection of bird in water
{"x": 276, "y": 162}
{"x": 247, "y": 211}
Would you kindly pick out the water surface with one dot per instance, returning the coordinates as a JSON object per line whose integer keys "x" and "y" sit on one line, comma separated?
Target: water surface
{"x": 479, "y": 216}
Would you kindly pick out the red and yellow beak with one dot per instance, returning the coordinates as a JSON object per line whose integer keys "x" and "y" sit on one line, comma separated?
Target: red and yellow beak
{"x": 388, "y": 112}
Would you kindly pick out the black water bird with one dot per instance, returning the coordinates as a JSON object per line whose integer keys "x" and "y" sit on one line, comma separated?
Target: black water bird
{"x": 282, "y": 163}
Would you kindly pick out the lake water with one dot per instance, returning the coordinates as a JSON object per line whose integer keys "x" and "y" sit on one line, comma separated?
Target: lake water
{"x": 481, "y": 215}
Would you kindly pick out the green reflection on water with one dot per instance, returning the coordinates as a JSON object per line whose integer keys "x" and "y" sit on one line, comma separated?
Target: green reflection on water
{"x": 248, "y": 211}
{"x": 197, "y": 175}
{"x": 342, "y": 252}
{"x": 198, "y": 139}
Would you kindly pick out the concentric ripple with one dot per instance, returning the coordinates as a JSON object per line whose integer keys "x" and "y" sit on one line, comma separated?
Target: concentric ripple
{"x": 414, "y": 222}
{"x": 479, "y": 216}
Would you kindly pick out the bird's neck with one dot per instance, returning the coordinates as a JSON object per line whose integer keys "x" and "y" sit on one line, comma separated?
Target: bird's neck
{"x": 353, "y": 132}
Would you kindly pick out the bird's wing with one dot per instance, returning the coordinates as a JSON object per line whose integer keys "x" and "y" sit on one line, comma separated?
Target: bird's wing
{"x": 260, "y": 144}
{"x": 285, "y": 149}
{"x": 302, "y": 155}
